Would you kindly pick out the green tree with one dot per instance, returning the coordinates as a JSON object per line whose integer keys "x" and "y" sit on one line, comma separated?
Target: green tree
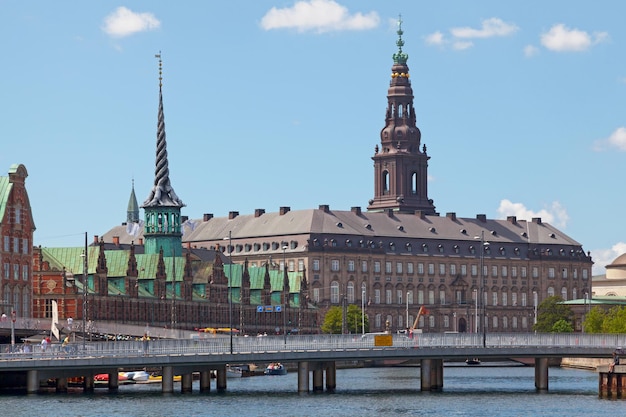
{"x": 594, "y": 320}
{"x": 562, "y": 326}
{"x": 551, "y": 311}
{"x": 334, "y": 318}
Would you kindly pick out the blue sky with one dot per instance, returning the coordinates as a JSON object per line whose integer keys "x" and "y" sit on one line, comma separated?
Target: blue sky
{"x": 280, "y": 103}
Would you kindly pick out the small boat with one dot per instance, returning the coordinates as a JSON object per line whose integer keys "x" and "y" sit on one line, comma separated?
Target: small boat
{"x": 137, "y": 376}
{"x": 275, "y": 368}
{"x": 234, "y": 371}
{"x": 473, "y": 361}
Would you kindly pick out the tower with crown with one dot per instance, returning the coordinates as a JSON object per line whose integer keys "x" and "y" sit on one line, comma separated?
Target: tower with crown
{"x": 400, "y": 167}
{"x": 162, "y": 230}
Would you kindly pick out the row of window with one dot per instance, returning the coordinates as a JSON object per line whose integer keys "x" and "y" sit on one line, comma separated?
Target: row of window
{"x": 255, "y": 247}
{"x": 428, "y": 297}
{"x": 440, "y": 248}
{"x": 13, "y": 271}
{"x": 502, "y": 271}
{"x": 15, "y": 248}
{"x": 493, "y": 322}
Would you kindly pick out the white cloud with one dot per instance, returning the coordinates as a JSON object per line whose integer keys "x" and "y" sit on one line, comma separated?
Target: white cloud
{"x": 461, "y": 45}
{"x": 435, "y": 39}
{"x": 318, "y": 15}
{"x": 530, "y": 50}
{"x": 603, "y": 257}
{"x": 124, "y": 22}
{"x": 490, "y": 28}
{"x": 560, "y": 38}
{"x": 616, "y": 140}
{"x": 460, "y": 36}
{"x": 555, "y": 214}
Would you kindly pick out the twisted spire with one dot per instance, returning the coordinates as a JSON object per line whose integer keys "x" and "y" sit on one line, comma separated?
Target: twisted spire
{"x": 162, "y": 193}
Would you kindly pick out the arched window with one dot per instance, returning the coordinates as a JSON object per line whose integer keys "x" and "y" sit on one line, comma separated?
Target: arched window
{"x": 550, "y": 292}
{"x": 564, "y": 293}
{"x": 351, "y": 292}
{"x": 414, "y": 183}
{"x": 385, "y": 182}
{"x": 334, "y": 292}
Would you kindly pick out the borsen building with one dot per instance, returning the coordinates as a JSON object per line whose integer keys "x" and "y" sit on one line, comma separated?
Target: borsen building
{"x": 399, "y": 254}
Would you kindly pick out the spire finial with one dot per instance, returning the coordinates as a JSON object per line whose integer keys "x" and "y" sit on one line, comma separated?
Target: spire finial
{"x": 400, "y": 57}
{"x": 160, "y": 69}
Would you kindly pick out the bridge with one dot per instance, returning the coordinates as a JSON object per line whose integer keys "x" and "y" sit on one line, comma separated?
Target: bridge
{"x": 316, "y": 354}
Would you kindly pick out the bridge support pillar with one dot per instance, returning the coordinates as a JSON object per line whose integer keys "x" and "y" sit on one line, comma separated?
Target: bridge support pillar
{"x": 88, "y": 383}
{"x": 436, "y": 381}
{"x": 114, "y": 381}
{"x": 425, "y": 374}
{"x": 331, "y": 376}
{"x": 541, "y": 374}
{"x": 221, "y": 378}
{"x": 32, "y": 382}
{"x": 167, "y": 379}
{"x": 61, "y": 385}
{"x": 318, "y": 380}
{"x": 303, "y": 377}
{"x": 186, "y": 382}
{"x": 205, "y": 381}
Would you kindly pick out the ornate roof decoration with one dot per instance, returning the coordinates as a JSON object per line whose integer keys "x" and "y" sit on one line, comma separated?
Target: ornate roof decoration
{"x": 400, "y": 57}
{"x": 162, "y": 193}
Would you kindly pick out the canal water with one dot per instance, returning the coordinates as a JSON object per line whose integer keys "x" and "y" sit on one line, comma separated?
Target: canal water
{"x": 468, "y": 391}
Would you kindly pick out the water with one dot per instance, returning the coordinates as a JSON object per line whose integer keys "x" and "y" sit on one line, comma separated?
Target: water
{"x": 468, "y": 391}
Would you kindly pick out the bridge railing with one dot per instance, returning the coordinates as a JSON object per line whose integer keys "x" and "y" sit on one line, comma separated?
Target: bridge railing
{"x": 222, "y": 344}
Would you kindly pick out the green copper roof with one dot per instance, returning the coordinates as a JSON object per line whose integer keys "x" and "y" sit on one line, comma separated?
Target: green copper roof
{"x": 400, "y": 57}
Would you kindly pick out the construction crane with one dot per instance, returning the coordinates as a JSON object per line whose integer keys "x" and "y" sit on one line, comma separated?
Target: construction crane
{"x": 420, "y": 312}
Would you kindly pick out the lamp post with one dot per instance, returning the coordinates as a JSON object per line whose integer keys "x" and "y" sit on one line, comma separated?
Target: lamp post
{"x": 285, "y": 295}
{"x": 230, "y": 298}
{"x": 482, "y": 284}
{"x": 535, "y": 306}
{"x": 475, "y": 310}
{"x": 85, "y": 271}
{"x": 363, "y": 311}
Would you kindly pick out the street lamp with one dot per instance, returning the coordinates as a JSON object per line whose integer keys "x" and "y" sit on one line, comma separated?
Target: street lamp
{"x": 475, "y": 310}
{"x": 285, "y": 295}
{"x": 230, "y": 298}
{"x": 482, "y": 286}
{"x": 535, "y": 306}
{"x": 85, "y": 271}
{"x": 363, "y": 311}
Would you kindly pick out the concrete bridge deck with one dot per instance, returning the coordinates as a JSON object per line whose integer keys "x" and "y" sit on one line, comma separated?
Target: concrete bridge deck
{"x": 318, "y": 352}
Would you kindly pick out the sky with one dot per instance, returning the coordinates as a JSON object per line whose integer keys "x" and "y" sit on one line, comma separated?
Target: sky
{"x": 521, "y": 105}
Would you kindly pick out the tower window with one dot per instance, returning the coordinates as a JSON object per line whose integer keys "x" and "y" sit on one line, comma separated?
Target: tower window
{"x": 414, "y": 183}
{"x": 385, "y": 182}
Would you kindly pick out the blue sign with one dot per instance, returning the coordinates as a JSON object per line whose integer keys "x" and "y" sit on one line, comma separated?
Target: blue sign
{"x": 278, "y": 309}
{"x": 259, "y": 309}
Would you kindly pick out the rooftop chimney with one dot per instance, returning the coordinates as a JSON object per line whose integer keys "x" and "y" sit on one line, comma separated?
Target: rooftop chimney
{"x": 451, "y": 216}
{"x": 511, "y": 219}
{"x": 482, "y": 217}
{"x": 283, "y": 210}
{"x": 537, "y": 220}
{"x": 356, "y": 210}
{"x": 95, "y": 239}
{"x": 325, "y": 208}
{"x": 389, "y": 212}
{"x": 420, "y": 214}
{"x": 232, "y": 214}
{"x": 207, "y": 216}
{"x": 183, "y": 219}
{"x": 116, "y": 240}
{"x": 259, "y": 212}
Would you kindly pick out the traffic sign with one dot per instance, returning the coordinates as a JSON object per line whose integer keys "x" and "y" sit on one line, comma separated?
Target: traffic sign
{"x": 259, "y": 309}
{"x": 278, "y": 309}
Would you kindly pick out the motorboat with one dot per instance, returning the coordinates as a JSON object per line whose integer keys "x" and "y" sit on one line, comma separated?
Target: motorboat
{"x": 275, "y": 368}
{"x": 472, "y": 361}
{"x": 234, "y": 371}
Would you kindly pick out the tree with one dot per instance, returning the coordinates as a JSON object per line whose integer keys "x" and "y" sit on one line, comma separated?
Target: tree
{"x": 334, "y": 318}
{"x": 549, "y": 312}
{"x": 599, "y": 320}
{"x": 562, "y": 326}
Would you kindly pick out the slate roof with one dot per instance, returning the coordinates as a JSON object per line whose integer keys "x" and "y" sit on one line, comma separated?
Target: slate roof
{"x": 374, "y": 225}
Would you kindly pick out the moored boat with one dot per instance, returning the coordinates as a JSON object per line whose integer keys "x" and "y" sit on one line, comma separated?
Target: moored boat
{"x": 275, "y": 368}
{"x": 472, "y": 361}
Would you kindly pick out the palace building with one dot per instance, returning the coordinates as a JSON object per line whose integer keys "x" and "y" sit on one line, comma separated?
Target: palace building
{"x": 471, "y": 273}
